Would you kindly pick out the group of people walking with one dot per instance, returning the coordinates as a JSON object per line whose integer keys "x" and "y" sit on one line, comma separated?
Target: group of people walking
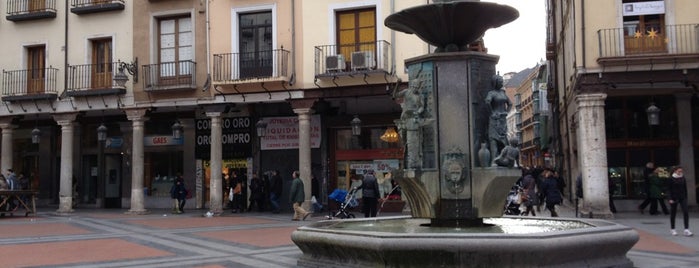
{"x": 661, "y": 184}
{"x": 539, "y": 187}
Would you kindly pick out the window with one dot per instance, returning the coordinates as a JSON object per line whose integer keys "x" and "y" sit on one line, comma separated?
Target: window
{"x": 101, "y": 71}
{"x": 256, "y": 44}
{"x": 36, "y": 72}
{"x": 644, "y": 30}
{"x": 175, "y": 48}
{"x": 356, "y": 32}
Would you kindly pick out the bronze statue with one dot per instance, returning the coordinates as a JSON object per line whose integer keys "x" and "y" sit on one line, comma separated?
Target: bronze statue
{"x": 498, "y": 105}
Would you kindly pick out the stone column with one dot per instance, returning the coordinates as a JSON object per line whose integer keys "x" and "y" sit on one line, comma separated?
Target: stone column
{"x": 684, "y": 118}
{"x": 137, "y": 118}
{"x": 216, "y": 181}
{"x": 592, "y": 150}
{"x": 7, "y": 156}
{"x": 305, "y": 148}
{"x": 65, "y": 192}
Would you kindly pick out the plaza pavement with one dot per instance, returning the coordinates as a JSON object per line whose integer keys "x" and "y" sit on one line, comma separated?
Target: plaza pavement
{"x": 111, "y": 238}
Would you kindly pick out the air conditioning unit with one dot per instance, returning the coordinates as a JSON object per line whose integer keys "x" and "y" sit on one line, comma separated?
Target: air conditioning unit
{"x": 334, "y": 63}
{"x": 362, "y": 60}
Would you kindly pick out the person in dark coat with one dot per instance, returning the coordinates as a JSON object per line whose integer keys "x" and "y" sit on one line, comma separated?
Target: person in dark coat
{"x": 650, "y": 167}
{"x": 656, "y": 188}
{"x": 677, "y": 195}
{"x": 275, "y": 191}
{"x": 370, "y": 194}
{"x": 257, "y": 194}
{"x": 297, "y": 196}
{"x": 552, "y": 195}
{"x": 529, "y": 193}
{"x": 179, "y": 194}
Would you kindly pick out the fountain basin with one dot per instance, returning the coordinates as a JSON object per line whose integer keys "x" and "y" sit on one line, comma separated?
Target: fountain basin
{"x": 502, "y": 242}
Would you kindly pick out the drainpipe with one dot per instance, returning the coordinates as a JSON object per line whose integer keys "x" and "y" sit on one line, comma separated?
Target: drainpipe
{"x": 208, "y": 42}
{"x": 582, "y": 36}
{"x": 65, "y": 50}
{"x": 292, "y": 78}
{"x": 393, "y": 41}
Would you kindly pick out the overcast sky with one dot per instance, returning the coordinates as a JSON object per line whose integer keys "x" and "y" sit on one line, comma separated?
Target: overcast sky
{"x": 520, "y": 44}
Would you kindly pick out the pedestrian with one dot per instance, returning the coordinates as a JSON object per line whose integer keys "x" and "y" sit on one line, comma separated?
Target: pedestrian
{"x": 237, "y": 185}
{"x": 549, "y": 187}
{"x": 656, "y": 190}
{"x": 178, "y": 193}
{"x": 297, "y": 196}
{"x": 370, "y": 194}
{"x": 12, "y": 180}
{"x": 275, "y": 191}
{"x": 677, "y": 190}
{"x": 529, "y": 196}
{"x": 647, "y": 171}
{"x": 257, "y": 193}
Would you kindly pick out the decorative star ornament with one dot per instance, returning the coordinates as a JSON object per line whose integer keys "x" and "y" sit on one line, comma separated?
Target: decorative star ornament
{"x": 652, "y": 33}
{"x": 638, "y": 34}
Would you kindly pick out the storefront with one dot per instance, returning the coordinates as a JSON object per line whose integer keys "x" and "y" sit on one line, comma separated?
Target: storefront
{"x": 237, "y": 156}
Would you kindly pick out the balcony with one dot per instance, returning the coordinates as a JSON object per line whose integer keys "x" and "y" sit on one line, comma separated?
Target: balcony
{"x": 93, "y": 80}
{"x": 352, "y": 59}
{"x": 29, "y": 85}
{"x": 22, "y": 10}
{"x": 94, "y": 6}
{"x": 260, "y": 66}
{"x": 170, "y": 76}
{"x": 671, "y": 44}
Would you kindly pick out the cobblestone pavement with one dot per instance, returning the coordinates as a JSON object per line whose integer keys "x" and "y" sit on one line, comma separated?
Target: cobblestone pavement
{"x": 111, "y": 238}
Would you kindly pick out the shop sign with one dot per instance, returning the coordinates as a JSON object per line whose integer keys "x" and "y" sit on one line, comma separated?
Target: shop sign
{"x": 283, "y": 133}
{"x": 161, "y": 141}
{"x": 386, "y": 165}
{"x": 644, "y": 8}
{"x": 114, "y": 142}
{"x": 236, "y": 137}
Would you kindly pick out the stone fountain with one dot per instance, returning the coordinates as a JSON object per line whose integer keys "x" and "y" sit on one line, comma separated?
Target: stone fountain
{"x": 458, "y": 169}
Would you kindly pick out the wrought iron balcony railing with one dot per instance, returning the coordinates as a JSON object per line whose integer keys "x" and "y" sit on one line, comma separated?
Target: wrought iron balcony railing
{"x": 232, "y": 67}
{"x": 94, "y": 6}
{"x": 348, "y": 59}
{"x": 20, "y": 10}
{"x": 29, "y": 84}
{"x": 165, "y": 76}
{"x": 672, "y": 39}
{"x": 93, "y": 79}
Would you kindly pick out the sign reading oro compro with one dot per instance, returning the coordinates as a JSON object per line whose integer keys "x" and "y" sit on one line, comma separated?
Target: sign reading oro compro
{"x": 283, "y": 133}
{"x": 236, "y": 138}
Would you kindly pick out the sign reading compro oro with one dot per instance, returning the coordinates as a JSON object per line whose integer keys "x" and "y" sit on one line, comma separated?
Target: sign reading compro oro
{"x": 283, "y": 133}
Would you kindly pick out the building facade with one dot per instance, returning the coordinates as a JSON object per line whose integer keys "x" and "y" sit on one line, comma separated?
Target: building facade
{"x": 613, "y": 63}
{"x": 128, "y": 95}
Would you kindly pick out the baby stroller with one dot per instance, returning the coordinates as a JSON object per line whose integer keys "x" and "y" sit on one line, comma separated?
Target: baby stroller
{"x": 346, "y": 201}
{"x": 513, "y": 200}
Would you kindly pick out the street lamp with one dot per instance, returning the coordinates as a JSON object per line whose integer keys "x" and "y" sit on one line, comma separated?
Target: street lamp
{"x": 36, "y": 135}
{"x": 356, "y": 124}
{"x": 101, "y": 139}
{"x": 120, "y": 77}
{"x": 261, "y": 127}
{"x": 653, "y": 113}
{"x": 177, "y": 130}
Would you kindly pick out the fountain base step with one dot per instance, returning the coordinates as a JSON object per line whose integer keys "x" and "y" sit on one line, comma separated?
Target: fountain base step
{"x": 501, "y": 242}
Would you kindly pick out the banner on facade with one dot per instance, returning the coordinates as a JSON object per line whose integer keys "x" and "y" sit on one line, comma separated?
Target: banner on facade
{"x": 283, "y": 133}
{"x": 236, "y": 138}
{"x": 644, "y": 8}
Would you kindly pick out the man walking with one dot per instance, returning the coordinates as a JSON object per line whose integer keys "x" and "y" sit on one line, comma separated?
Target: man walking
{"x": 297, "y": 197}
{"x": 370, "y": 194}
{"x": 275, "y": 191}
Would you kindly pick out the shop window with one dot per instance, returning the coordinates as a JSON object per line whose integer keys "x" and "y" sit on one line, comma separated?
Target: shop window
{"x": 626, "y": 168}
{"x": 369, "y": 139}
